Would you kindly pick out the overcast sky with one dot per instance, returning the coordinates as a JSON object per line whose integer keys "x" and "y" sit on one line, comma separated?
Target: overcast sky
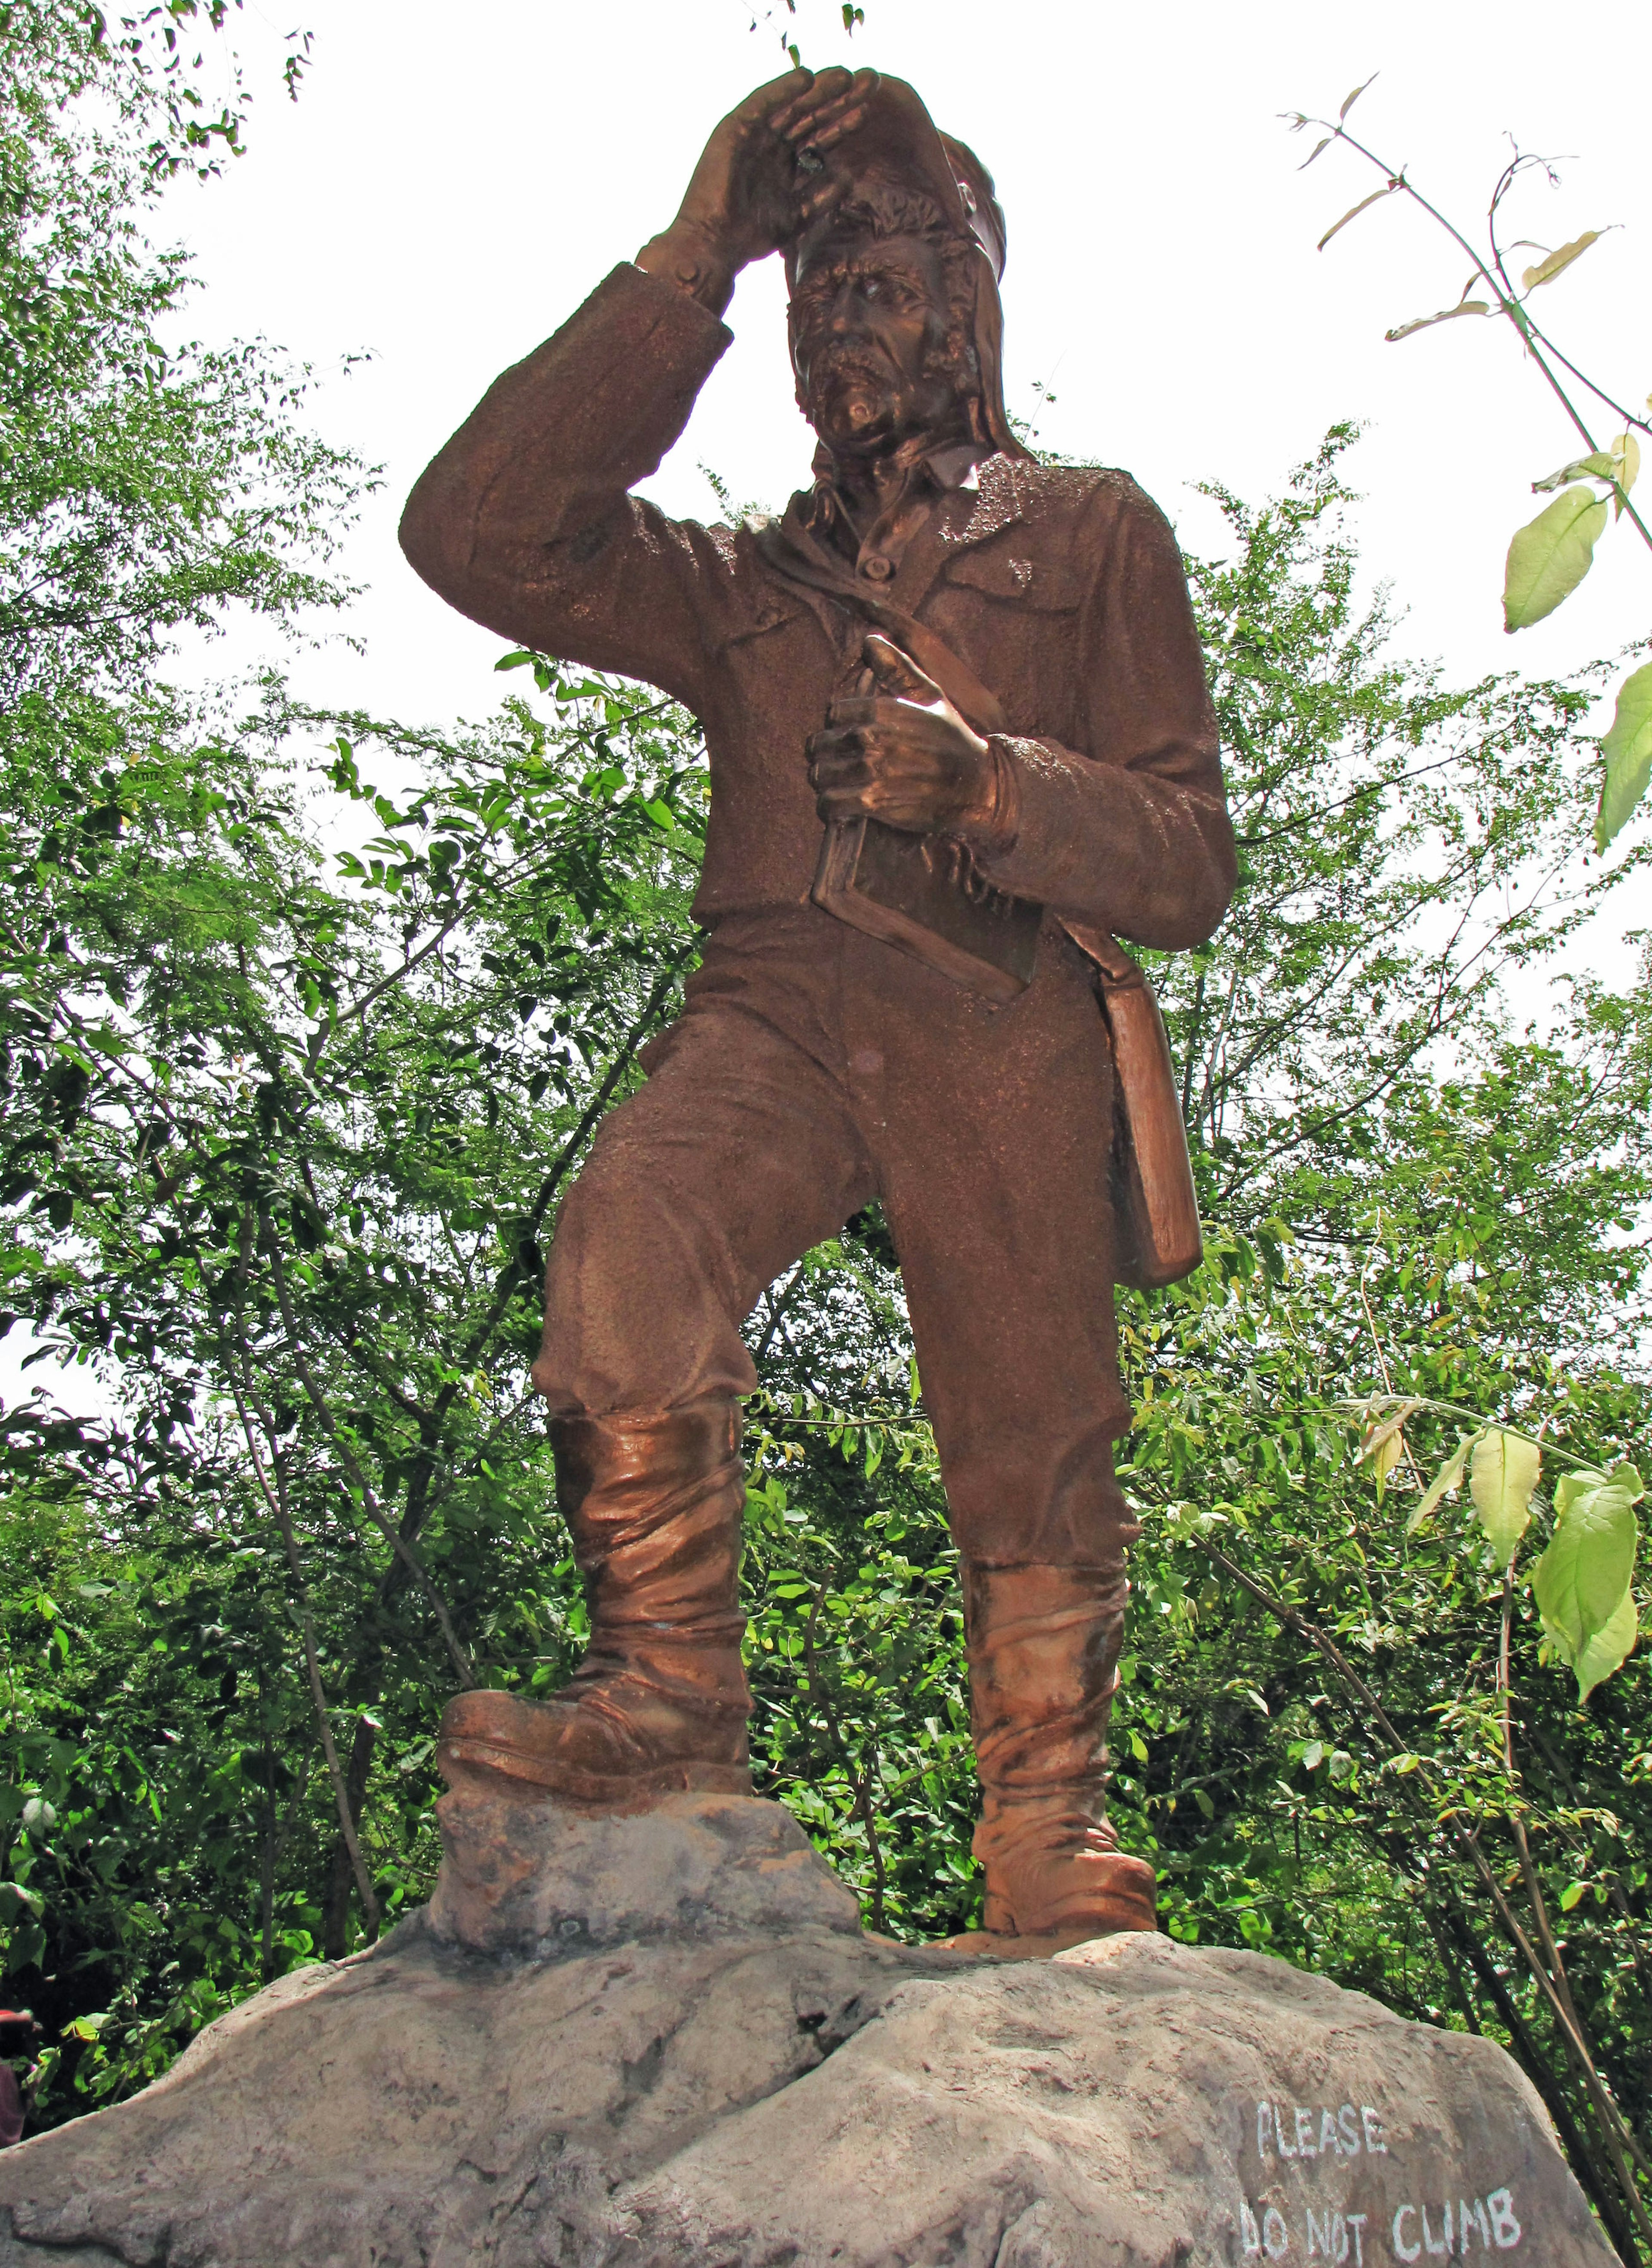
{"x": 450, "y": 185}
{"x": 451, "y": 182}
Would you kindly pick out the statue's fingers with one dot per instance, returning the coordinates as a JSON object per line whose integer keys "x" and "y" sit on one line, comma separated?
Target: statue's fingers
{"x": 853, "y": 709}
{"x": 802, "y": 99}
{"x": 809, "y": 120}
{"x": 844, "y": 123}
{"x": 832, "y": 749}
{"x": 891, "y": 716}
{"x": 778, "y": 99}
{"x": 815, "y": 113}
{"x": 829, "y": 189}
{"x": 844, "y": 802}
{"x": 840, "y": 771}
{"x": 897, "y": 672}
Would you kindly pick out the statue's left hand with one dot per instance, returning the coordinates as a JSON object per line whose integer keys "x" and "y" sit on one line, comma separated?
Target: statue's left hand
{"x": 902, "y": 755}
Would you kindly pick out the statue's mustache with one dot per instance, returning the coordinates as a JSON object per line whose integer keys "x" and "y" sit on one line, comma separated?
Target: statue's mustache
{"x": 840, "y": 360}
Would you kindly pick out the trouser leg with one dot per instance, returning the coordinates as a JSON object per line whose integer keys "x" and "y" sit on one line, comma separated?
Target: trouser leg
{"x": 993, "y": 1159}
{"x": 737, "y": 1155}
{"x": 995, "y": 1163}
{"x": 734, "y": 1157}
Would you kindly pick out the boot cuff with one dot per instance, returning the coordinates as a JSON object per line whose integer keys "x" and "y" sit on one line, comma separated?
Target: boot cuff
{"x": 644, "y": 1463}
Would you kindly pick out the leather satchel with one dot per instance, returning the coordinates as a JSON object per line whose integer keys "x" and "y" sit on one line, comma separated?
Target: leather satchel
{"x": 927, "y": 897}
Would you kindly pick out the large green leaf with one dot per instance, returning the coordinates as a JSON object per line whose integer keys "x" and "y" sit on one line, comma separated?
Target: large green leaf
{"x": 1609, "y": 1649}
{"x": 1555, "y": 263}
{"x": 1627, "y": 750}
{"x": 1502, "y": 1474}
{"x": 1445, "y": 1482}
{"x": 1550, "y": 556}
{"x": 1581, "y": 1581}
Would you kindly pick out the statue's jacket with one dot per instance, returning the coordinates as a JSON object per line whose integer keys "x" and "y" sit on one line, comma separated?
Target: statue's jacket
{"x": 816, "y": 1068}
{"x": 1060, "y": 586}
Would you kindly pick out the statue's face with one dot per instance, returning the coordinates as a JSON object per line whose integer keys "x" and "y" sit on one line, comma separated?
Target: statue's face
{"x": 869, "y": 319}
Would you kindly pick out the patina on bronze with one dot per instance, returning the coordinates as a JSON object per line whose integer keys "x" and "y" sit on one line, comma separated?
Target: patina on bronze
{"x": 993, "y": 664}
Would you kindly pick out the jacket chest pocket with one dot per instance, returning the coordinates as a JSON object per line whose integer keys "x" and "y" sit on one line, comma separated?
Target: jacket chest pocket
{"x": 1024, "y": 641}
{"x": 1045, "y": 586}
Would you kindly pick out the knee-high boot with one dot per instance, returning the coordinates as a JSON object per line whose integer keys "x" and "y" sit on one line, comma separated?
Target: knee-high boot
{"x": 1044, "y": 1647}
{"x": 654, "y": 1504}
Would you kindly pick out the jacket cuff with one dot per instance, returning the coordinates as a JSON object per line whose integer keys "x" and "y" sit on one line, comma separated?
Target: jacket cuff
{"x": 678, "y": 305}
{"x": 995, "y": 834}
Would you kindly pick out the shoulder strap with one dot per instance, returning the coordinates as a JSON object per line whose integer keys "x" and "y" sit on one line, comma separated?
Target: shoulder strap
{"x": 796, "y": 562}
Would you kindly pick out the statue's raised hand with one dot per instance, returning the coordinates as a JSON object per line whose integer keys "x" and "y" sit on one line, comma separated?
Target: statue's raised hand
{"x": 759, "y": 182}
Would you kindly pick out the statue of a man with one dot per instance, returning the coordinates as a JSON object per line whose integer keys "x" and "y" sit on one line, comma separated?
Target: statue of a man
{"x": 966, "y": 647}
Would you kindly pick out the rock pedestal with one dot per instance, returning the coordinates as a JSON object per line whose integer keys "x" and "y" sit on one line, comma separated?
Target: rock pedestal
{"x": 662, "y": 2041}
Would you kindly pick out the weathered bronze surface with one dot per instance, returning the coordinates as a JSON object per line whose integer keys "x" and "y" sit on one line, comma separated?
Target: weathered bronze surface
{"x": 960, "y": 741}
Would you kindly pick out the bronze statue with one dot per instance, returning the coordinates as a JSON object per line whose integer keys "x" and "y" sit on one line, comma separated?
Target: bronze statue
{"x": 982, "y": 673}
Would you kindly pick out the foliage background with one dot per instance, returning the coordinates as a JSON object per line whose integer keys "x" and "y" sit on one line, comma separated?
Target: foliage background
{"x": 284, "y": 1131}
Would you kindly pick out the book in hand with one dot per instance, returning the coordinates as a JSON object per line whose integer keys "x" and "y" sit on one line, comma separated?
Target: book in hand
{"x": 925, "y": 894}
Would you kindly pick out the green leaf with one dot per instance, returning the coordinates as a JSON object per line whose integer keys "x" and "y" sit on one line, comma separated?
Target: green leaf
{"x": 1550, "y": 557}
{"x": 1625, "y": 451}
{"x": 1627, "y": 750}
{"x": 1445, "y": 1482}
{"x": 1445, "y": 315}
{"x": 1501, "y": 1476}
{"x": 1384, "y": 1444}
{"x": 1609, "y": 1649}
{"x": 1600, "y": 465}
{"x": 1353, "y": 212}
{"x": 1547, "y": 269}
{"x": 1351, "y": 99}
{"x": 1581, "y": 1579}
{"x": 1573, "y": 1895}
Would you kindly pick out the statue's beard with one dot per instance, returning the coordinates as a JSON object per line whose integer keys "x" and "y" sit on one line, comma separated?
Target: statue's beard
{"x": 859, "y": 405}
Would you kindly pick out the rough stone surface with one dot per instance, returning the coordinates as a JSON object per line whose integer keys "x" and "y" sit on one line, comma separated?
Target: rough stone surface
{"x": 716, "y": 2071}
{"x": 542, "y": 1878}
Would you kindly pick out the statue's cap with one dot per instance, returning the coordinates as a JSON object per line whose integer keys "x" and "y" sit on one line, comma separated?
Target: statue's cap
{"x": 897, "y": 143}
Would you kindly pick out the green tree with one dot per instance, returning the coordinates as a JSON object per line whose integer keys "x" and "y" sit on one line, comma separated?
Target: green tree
{"x": 283, "y": 1137}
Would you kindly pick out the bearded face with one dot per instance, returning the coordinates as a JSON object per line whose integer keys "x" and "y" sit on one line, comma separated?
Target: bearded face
{"x": 872, "y": 344}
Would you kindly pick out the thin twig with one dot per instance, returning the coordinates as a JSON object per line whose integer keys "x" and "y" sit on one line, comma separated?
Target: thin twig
{"x": 860, "y": 1781}
{"x": 1528, "y": 1871}
{"x": 386, "y": 1528}
{"x": 277, "y": 1500}
{"x": 1533, "y": 337}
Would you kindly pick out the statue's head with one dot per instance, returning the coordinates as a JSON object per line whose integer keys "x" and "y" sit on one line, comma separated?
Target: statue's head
{"x": 895, "y": 318}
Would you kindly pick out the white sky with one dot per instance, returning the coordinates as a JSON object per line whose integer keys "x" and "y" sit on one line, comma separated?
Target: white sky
{"x": 448, "y": 187}
{"x": 443, "y": 198}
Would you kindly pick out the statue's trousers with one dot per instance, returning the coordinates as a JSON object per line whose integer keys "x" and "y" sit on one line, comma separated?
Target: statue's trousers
{"x": 814, "y": 1070}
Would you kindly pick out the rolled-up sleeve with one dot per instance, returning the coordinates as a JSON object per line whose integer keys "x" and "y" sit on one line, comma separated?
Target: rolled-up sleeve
{"x": 1132, "y": 831}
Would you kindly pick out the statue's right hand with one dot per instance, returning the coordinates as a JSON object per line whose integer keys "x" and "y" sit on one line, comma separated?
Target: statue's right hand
{"x": 753, "y": 190}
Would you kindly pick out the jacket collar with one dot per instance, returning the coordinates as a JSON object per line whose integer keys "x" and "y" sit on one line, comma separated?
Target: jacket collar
{"x": 798, "y": 549}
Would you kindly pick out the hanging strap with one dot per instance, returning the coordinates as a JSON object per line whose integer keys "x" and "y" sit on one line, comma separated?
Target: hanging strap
{"x": 974, "y": 702}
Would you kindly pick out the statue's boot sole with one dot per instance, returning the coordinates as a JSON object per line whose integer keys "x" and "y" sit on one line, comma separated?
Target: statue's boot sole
{"x": 996, "y": 1945}
{"x": 608, "y": 1791}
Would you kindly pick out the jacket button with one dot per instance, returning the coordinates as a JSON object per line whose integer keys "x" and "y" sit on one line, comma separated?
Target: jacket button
{"x": 878, "y": 567}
